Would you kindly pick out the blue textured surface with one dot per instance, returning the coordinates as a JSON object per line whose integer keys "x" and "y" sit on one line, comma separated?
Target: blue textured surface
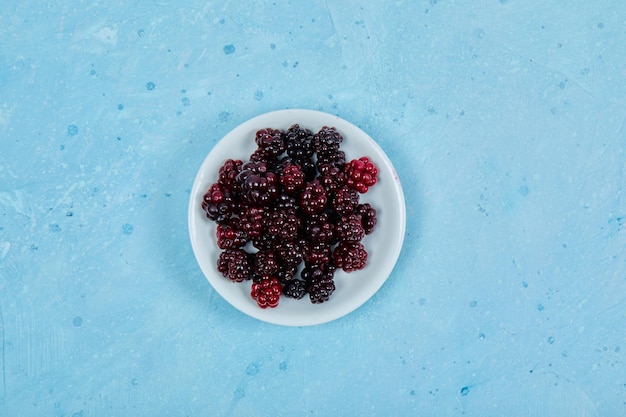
{"x": 505, "y": 120}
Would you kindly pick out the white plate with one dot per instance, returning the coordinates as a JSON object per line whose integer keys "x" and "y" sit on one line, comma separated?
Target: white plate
{"x": 383, "y": 245}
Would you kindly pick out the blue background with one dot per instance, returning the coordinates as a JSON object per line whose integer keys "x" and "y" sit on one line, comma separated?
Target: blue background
{"x": 505, "y": 121}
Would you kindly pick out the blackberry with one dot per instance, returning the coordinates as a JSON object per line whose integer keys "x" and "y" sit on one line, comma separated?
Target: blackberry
{"x": 319, "y": 283}
{"x": 271, "y": 141}
{"x": 266, "y": 292}
{"x": 285, "y": 201}
{"x": 228, "y": 173}
{"x": 218, "y": 203}
{"x": 289, "y": 252}
{"x": 313, "y": 198}
{"x": 318, "y": 229}
{"x": 331, "y": 177}
{"x": 299, "y": 143}
{"x": 264, "y": 242}
{"x": 266, "y": 262}
{"x": 282, "y": 224}
{"x": 235, "y": 264}
{"x": 349, "y": 229}
{"x": 350, "y": 256}
{"x": 368, "y": 217}
{"x": 327, "y": 140}
{"x": 286, "y": 273}
{"x": 258, "y": 185}
{"x": 295, "y": 289}
{"x": 319, "y": 254}
{"x": 292, "y": 178}
{"x": 229, "y": 234}
{"x": 334, "y": 158}
{"x": 345, "y": 200}
{"x": 360, "y": 174}
{"x": 251, "y": 220}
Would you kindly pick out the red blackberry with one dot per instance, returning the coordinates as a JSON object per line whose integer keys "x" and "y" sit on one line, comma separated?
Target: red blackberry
{"x": 271, "y": 141}
{"x": 218, "y": 203}
{"x": 331, "y": 177}
{"x": 235, "y": 264}
{"x": 299, "y": 143}
{"x": 345, "y": 200}
{"x": 266, "y": 262}
{"x": 318, "y": 229}
{"x": 266, "y": 292}
{"x": 319, "y": 282}
{"x": 360, "y": 174}
{"x": 313, "y": 198}
{"x": 349, "y": 229}
{"x": 282, "y": 224}
{"x": 258, "y": 185}
{"x": 292, "y": 178}
{"x": 350, "y": 256}
{"x": 229, "y": 234}
{"x": 319, "y": 254}
{"x": 368, "y": 217}
{"x": 295, "y": 288}
{"x": 228, "y": 173}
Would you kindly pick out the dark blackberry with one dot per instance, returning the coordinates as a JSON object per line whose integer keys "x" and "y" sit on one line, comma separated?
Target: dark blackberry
{"x": 350, "y": 256}
{"x": 368, "y": 217}
{"x": 345, "y": 200}
{"x": 266, "y": 262}
{"x": 327, "y": 140}
{"x": 266, "y": 292}
{"x": 349, "y": 229}
{"x": 313, "y": 198}
{"x": 333, "y": 158}
{"x": 258, "y": 185}
{"x": 331, "y": 177}
{"x": 292, "y": 178}
{"x": 299, "y": 143}
{"x": 318, "y": 254}
{"x": 295, "y": 288}
{"x": 251, "y": 220}
{"x": 285, "y": 202}
{"x": 228, "y": 173}
{"x": 229, "y": 234}
{"x": 282, "y": 224}
{"x": 271, "y": 141}
{"x": 289, "y": 252}
{"x": 218, "y": 203}
{"x": 318, "y": 228}
{"x": 319, "y": 282}
{"x": 235, "y": 264}
{"x": 360, "y": 174}
{"x": 264, "y": 242}
{"x": 286, "y": 273}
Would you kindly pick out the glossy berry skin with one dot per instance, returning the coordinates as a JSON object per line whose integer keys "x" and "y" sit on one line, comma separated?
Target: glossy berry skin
{"x": 313, "y": 198}
{"x": 345, "y": 200}
{"x": 229, "y": 234}
{"x": 299, "y": 143}
{"x": 319, "y": 229}
{"x": 350, "y": 256}
{"x": 319, "y": 254}
{"x": 295, "y": 288}
{"x": 368, "y": 217}
{"x": 283, "y": 224}
{"x": 218, "y": 203}
{"x": 266, "y": 262}
{"x": 228, "y": 172}
{"x": 331, "y": 177}
{"x": 251, "y": 220}
{"x": 235, "y": 264}
{"x": 270, "y": 141}
{"x": 349, "y": 229}
{"x": 319, "y": 282}
{"x": 266, "y": 292}
{"x": 258, "y": 185}
{"x": 292, "y": 178}
{"x": 360, "y": 174}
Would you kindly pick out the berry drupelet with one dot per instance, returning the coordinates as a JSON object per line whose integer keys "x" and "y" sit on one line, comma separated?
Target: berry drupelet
{"x": 319, "y": 282}
{"x": 218, "y": 203}
{"x": 295, "y": 288}
{"x": 345, "y": 200}
{"x": 292, "y": 178}
{"x": 230, "y": 235}
{"x": 258, "y": 185}
{"x": 313, "y": 198}
{"x": 368, "y": 217}
{"x": 349, "y": 229}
